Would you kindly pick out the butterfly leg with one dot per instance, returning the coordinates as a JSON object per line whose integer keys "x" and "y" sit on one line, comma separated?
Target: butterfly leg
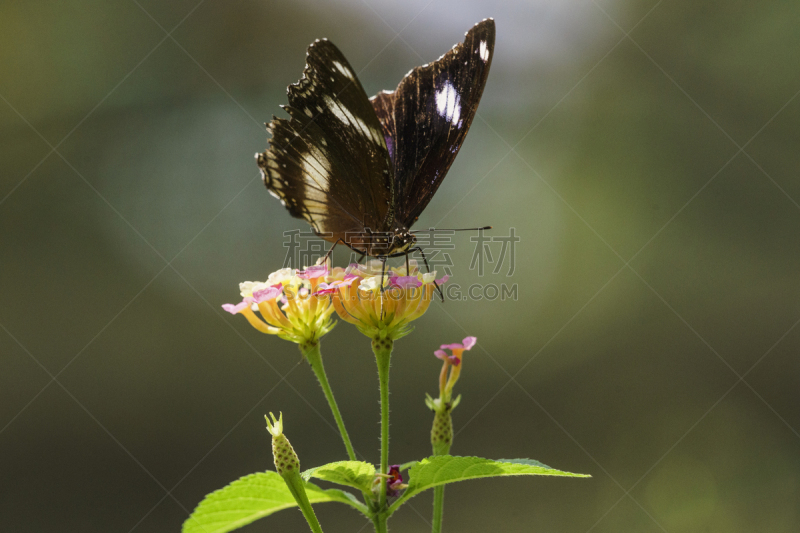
{"x": 425, "y": 260}
{"x": 327, "y": 256}
{"x": 383, "y": 287}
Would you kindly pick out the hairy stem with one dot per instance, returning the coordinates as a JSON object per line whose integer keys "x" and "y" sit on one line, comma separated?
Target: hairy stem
{"x": 383, "y": 352}
{"x": 380, "y": 524}
{"x": 295, "y": 484}
{"x": 438, "y": 508}
{"x": 314, "y": 356}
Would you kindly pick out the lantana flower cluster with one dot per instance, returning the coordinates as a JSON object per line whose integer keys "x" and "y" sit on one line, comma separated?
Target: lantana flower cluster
{"x": 290, "y": 304}
{"x": 297, "y": 305}
{"x": 381, "y": 304}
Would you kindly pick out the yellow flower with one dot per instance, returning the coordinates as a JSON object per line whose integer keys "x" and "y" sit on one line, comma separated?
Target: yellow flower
{"x": 381, "y": 307}
{"x": 290, "y": 305}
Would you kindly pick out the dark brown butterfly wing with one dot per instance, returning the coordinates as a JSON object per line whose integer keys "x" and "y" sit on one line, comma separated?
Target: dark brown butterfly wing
{"x": 328, "y": 163}
{"x": 427, "y": 117}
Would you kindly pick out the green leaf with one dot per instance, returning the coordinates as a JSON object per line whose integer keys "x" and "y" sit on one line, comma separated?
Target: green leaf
{"x": 442, "y": 469}
{"x": 356, "y": 474}
{"x": 530, "y": 462}
{"x": 252, "y": 497}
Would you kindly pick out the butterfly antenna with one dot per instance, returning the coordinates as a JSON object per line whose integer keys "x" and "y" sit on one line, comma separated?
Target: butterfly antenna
{"x": 431, "y": 230}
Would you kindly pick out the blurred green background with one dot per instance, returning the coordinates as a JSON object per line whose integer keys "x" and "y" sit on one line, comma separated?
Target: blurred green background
{"x": 645, "y": 152}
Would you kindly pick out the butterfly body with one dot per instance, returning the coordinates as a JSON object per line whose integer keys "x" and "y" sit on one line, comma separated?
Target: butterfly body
{"x": 360, "y": 171}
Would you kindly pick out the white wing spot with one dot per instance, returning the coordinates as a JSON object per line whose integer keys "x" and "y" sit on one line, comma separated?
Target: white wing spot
{"x": 308, "y": 112}
{"x": 448, "y": 103}
{"x": 377, "y": 136}
{"x": 344, "y": 70}
{"x": 318, "y": 181}
{"x": 344, "y": 114}
{"x": 484, "y": 51}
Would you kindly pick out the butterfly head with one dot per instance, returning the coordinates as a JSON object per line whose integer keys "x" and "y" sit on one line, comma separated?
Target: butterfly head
{"x": 402, "y": 240}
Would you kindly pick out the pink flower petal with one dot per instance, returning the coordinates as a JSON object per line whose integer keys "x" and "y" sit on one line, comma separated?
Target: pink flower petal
{"x": 333, "y": 286}
{"x": 263, "y": 295}
{"x": 235, "y": 309}
{"x": 328, "y": 290}
{"x": 405, "y": 281}
{"x": 313, "y": 272}
{"x": 469, "y": 342}
{"x": 441, "y": 354}
{"x": 443, "y": 280}
{"x": 454, "y": 346}
{"x": 326, "y": 286}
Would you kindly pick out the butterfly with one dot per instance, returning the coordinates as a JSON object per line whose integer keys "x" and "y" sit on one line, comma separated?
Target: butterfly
{"x": 361, "y": 170}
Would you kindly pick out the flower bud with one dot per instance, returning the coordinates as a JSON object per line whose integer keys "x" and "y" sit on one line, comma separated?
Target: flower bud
{"x": 442, "y": 431}
{"x": 288, "y": 466}
{"x": 286, "y": 460}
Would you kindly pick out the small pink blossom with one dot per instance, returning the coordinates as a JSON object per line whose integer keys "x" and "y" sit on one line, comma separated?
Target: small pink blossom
{"x": 326, "y": 290}
{"x": 469, "y": 342}
{"x": 333, "y": 286}
{"x": 441, "y": 354}
{"x": 405, "y": 281}
{"x": 267, "y": 294}
{"x": 395, "y": 482}
{"x": 235, "y": 309}
{"x": 466, "y": 344}
{"x": 313, "y": 272}
{"x": 452, "y": 365}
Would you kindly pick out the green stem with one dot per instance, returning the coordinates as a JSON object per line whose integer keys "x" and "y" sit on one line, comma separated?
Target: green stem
{"x": 314, "y": 357}
{"x": 380, "y": 524}
{"x": 438, "y": 508}
{"x": 383, "y": 352}
{"x": 295, "y": 484}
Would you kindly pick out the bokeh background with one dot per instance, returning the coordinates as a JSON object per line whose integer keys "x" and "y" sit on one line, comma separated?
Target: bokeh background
{"x": 644, "y": 151}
